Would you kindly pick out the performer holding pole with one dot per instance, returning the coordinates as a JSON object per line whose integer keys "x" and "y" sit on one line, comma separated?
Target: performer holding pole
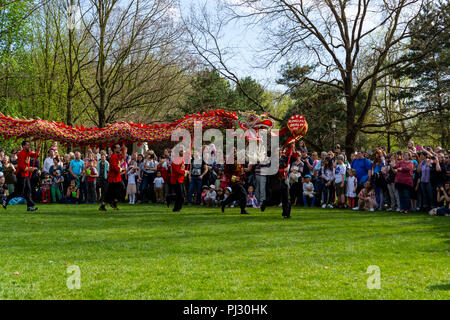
{"x": 23, "y": 185}
{"x": 177, "y": 175}
{"x": 115, "y": 185}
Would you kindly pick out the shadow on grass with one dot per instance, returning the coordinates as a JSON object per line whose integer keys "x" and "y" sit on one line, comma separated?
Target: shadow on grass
{"x": 436, "y": 287}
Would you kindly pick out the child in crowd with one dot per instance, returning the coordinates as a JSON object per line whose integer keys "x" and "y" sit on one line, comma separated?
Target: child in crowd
{"x": 352, "y": 183}
{"x": 294, "y": 184}
{"x": 226, "y": 192}
{"x": 45, "y": 188}
{"x": 159, "y": 187}
{"x": 220, "y": 196}
{"x": 57, "y": 186}
{"x": 91, "y": 177}
{"x": 224, "y": 181}
{"x": 131, "y": 186}
{"x": 251, "y": 198}
{"x": 218, "y": 179}
{"x": 367, "y": 198}
{"x": 3, "y": 189}
{"x": 308, "y": 191}
{"x": 210, "y": 197}
{"x": 203, "y": 195}
{"x": 72, "y": 193}
{"x": 339, "y": 180}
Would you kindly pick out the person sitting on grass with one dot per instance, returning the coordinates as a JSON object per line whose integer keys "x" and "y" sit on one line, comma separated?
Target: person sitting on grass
{"x": 367, "y": 198}
{"x": 220, "y": 196}
{"x": 443, "y": 196}
{"x": 72, "y": 194}
{"x": 203, "y": 195}
{"x": 308, "y": 191}
{"x": 251, "y": 198}
{"x": 57, "y": 186}
{"x": 210, "y": 197}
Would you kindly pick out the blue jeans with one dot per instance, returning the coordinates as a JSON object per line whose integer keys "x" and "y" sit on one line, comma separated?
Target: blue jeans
{"x": 195, "y": 184}
{"x": 305, "y": 201}
{"x": 427, "y": 194}
{"x": 404, "y": 195}
{"x": 380, "y": 197}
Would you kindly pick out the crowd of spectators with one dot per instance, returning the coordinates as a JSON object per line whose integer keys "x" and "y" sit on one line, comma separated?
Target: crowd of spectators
{"x": 416, "y": 179}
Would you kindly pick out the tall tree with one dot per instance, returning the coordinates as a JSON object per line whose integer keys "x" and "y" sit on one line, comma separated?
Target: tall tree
{"x": 340, "y": 36}
{"x": 431, "y": 73}
{"x": 135, "y": 56}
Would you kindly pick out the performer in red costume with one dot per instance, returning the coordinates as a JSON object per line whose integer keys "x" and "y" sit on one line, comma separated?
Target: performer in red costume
{"x": 23, "y": 186}
{"x": 115, "y": 185}
{"x": 177, "y": 175}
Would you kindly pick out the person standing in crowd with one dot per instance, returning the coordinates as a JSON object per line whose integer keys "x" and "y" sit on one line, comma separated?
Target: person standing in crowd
{"x": 424, "y": 170}
{"x": 328, "y": 178}
{"x": 404, "y": 181}
{"x": 10, "y": 174}
{"x": 159, "y": 187}
{"x": 164, "y": 168}
{"x": 76, "y": 168}
{"x": 378, "y": 179}
{"x": 177, "y": 175}
{"x": 317, "y": 179}
{"x": 197, "y": 171}
{"x": 363, "y": 168}
{"x": 57, "y": 186}
{"x": 294, "y": 185}
{"x": 390, "y": 179}
{"x": 13, "y": 159}
{"x": 149, "y": 174}
{"x": 339, "y": 180}
{"x": 352, "y": 183}
{"x": 23, "y": 186}
{"x": 55, "y": 166}
{"x": 115, "y": 184}
{"x": 133, "y": 174}
{"x": 102, "y": 180}
{"x": 91, "y": 177}
{"x": 261, "y": 172}
{"x": 48, "y": 162}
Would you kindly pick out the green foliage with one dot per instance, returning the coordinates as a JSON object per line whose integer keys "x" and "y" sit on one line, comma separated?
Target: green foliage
{"x": 430, "y": 72}
{"x": 209, "y": 90}
{"x": 319, "y": 104}
{"x": 147, "y": 252}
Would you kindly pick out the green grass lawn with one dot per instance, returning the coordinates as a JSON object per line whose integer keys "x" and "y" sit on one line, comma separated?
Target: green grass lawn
{"x": 148, "y": 252}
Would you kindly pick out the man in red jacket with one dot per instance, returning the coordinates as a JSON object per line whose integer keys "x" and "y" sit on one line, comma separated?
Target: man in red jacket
{"x": 177, "y": 180}
{"x": 115, "y": 184}
{"x": 24, "y": 171}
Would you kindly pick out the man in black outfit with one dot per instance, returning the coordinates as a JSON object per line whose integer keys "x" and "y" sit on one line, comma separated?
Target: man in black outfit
{"x": 238, "y": 194}
{"x": 23, "y": 186}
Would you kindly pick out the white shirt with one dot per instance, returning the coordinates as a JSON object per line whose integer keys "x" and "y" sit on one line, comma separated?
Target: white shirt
{"x": 48, "y": 162}
{"x": 211, "y": 195}
{"x": 158, "y": 182}
{"x": 338, "y": 172}
{"x": 132, "y": 177}
{"x": 351, "y": 181}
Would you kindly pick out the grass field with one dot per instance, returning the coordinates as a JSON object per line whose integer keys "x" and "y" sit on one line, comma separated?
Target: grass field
{"x": 148, "y": 252}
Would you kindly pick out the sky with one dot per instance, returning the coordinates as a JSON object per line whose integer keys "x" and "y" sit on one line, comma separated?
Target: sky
{"x": 244, "y": 42}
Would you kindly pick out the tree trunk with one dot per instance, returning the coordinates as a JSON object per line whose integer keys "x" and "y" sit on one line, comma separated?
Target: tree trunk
{"x": 351, "y": 130}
